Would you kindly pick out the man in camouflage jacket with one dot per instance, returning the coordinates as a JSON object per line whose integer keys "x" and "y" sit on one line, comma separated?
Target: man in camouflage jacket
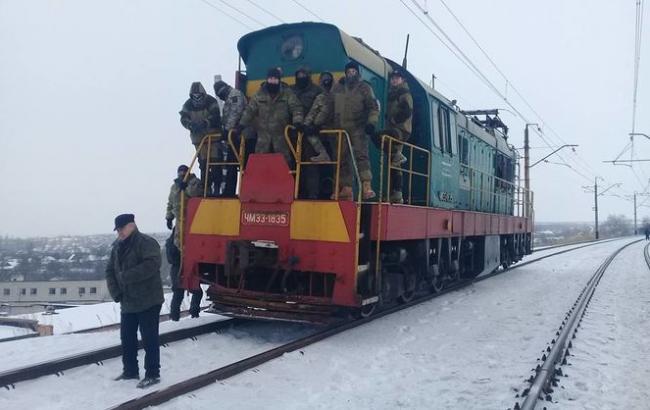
{"x": 201, "y": 116}
{"x": 233, "y": 108}
{"x": 356, "y": 111}
{"x": 269, "y": 111}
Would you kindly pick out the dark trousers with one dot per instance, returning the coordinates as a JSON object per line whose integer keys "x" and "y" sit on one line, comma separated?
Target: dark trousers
{"x": 147, "y": 321}
{"x": 177, "y": 299}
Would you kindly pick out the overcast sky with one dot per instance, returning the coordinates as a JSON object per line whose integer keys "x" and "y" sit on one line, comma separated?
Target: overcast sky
{"x": 90, "y": 93}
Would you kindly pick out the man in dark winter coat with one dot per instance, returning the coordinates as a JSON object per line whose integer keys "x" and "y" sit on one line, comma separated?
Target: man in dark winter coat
{"x": 200, "y": 114}
{"x": 233, "y": 108}
{"x": 133, "y": 280}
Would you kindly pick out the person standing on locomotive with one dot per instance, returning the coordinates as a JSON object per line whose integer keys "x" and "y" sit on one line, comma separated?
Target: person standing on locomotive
{"x": 399, "y": 113}
{"x": 200, "y": 114}
{"x": 192, "y": 187}
{"x": 306, "y": 92}
{"x": 269, "y": 111}
{"x": 356, "y": 111}
{"x": 233, "y": 108}
{"x": 321, "y": 115}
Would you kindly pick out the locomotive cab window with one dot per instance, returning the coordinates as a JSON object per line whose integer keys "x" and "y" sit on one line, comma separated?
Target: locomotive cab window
{"x": 444, "y": 133}
{"x": 292, "y": 47}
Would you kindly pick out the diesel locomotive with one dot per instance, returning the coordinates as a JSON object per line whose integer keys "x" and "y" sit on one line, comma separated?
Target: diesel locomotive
{"x": 270, "y": 253}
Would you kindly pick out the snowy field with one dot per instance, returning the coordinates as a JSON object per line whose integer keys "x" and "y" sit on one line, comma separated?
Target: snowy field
{"x": 610, "y": 366}
{"x": 92, "y": 316}
{"x": 470, "y": 349}
{"x": 7, "y": 332}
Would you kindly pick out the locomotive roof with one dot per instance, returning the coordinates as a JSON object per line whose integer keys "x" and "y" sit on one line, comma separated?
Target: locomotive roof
{"x": 358, "y": 50}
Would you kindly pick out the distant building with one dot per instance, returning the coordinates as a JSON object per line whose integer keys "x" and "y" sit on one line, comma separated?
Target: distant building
{"x": 65, "y": 291}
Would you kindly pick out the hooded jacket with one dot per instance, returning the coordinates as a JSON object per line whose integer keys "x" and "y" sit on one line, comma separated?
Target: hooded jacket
{"x": 207, "y": 113}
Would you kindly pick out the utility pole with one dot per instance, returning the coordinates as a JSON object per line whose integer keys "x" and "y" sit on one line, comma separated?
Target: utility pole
{"x": 527, "y": 170}
{"x": 596, "y": 206}
{"x": 635, "y": 231}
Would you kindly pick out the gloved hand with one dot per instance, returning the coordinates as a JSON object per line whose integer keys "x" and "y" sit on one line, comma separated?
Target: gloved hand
{"x": 236, "y": 130}
{"x": 198, "y": 125}
{"x": 300, "y": 128}
{"x": 117, "y": 298}
{"x": 169, "y": 223}
{"x": 370, "y": 129}
{"x": 311, "y": 130}
{"x": 181, "y": 184}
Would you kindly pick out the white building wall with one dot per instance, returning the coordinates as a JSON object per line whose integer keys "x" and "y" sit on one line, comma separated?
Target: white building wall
{"x": 86, "y": 291}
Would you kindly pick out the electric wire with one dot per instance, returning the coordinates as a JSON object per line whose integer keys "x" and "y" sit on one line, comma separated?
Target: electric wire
{"x": 308, "y": 10}
{"x": 266, "y": 11}
{"x": 227, "y": 14}
{"x": 242, "y": 13}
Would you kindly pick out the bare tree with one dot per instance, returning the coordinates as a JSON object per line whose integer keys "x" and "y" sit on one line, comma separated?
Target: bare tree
{"x": 615, "y": 225}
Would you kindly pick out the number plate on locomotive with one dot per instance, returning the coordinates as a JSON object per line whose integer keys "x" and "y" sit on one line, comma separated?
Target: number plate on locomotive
{"x": 265, "y": 218}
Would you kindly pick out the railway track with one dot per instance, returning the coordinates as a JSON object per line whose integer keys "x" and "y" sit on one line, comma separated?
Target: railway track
{"x": 554, "y": 356}
{"x": 58, "y": 366}
{"x": 8, "y": 378}
{"x": 186, "y": 386}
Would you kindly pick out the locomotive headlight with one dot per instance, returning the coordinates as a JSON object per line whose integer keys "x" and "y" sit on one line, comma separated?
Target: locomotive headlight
{"x": 292, "y": 47}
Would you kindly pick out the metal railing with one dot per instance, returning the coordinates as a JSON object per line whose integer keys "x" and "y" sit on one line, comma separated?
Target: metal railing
{"x": 487, "y": 191}
{"x": 388, "y": 141}
{"x": 341, "y": 136}
{"x": 208, "y": 139}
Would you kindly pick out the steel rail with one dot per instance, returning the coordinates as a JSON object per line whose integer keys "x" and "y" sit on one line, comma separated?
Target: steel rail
{"x": 560, "y": 245}
{"x": 646, "y": 254}
{"x": 9, "y": 377}
{"x": 186, "y": 386}
{"x": 163, "y": 318}
{"x": 546, "y": 372}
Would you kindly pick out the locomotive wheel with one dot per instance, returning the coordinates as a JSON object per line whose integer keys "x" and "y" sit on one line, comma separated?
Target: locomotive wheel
{"x": 437, "y": 284}
{"x": 368, "y": 310}
{"x": 409, "y": 275}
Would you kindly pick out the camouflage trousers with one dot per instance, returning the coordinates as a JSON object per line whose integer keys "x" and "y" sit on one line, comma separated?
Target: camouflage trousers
{"x": 396, "y": 148}
{"x": 359, "y": 142}
{"x": 267, "y": 143}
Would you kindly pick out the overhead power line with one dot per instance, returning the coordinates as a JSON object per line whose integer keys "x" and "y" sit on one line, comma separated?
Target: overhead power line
{"x": 242, "y": 13}
{"x": 266, "y": 11}
{"x": 477, "y": 71}
{"x": 307, "y": 10}
{"x": 509, "y": 83}
{"x": 227, "y": 14}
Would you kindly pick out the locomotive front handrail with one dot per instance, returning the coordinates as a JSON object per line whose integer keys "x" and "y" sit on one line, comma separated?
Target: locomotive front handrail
{"x": 339, "y": 134}
{"x": 387, "y": 139}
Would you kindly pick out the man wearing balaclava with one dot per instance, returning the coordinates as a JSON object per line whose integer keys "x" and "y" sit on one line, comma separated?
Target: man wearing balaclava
{"x": 270, "y": 110}
{"x": 320, "y": 116}
{"x": 356, "y": 110}
{"x": 200, "y": 114}
{"x": 234, "y": 103}
{"x": 306, "y": 91}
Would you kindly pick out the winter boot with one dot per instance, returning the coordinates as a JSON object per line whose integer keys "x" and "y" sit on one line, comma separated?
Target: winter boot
{"x": 148, "y": 381}
{"x": 345, "y": 194}
{"x": 127, "y": 376}
{"x": 318, "y": 146}
{"x": 398, "y": 159}
{"x": 396, "y": 197}
{"x": 368, "y": 193}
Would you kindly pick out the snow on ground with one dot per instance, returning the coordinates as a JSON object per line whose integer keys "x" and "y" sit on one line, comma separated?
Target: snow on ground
{"x": 610, "y": 366}
{"x": 92, "y": 386}
{"x": 21, "y": 353}
{"x": 469, "y": 349}
{"x": 92, "y": 316}
{"x": 7, "y": 332}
